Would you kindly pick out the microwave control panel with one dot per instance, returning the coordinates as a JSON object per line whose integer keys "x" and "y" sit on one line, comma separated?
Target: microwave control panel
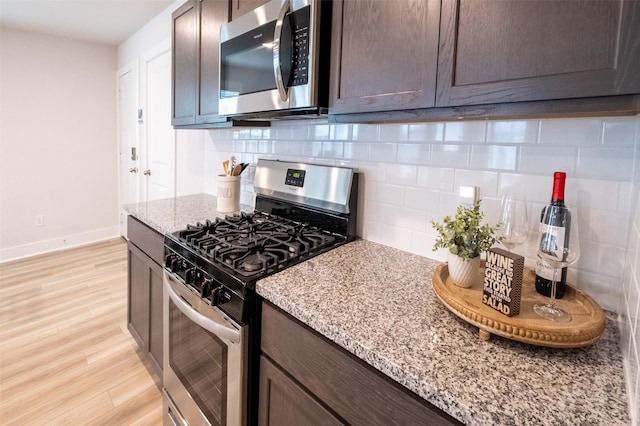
{"x": 300, "y": 60}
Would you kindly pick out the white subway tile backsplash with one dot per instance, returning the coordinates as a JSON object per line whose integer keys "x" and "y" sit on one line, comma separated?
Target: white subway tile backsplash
{"x": 591, "y": 193}
{"x": 621, "y": 131}
{"x": 384, "y": 152}
{"x": 572, "y": 131}
{"x": 547, "y": 159}
{"x": 379, "y": 212}
{"x": 320, "y": 132}
{"x": 486, "y": 181}
{"x": 465, "y": 131}
{"x": 537, "y": 188}
{"x": 421, "y": 199}
{"x": 522, "y": 131}
{"x": 410, "y": 174}
{"x": 604, "y": 289}
{"x": 494, "y": 157}
{"x": 605, "y": 259}
{"x": 410, "y": 219}
{"x": 402, "y": 174}
{"x": 393, "y": 132}
{"x": 356, "y": 150}
{"x": 390, "y": 194}
{"x": 603, "y": 226}
{"x": 605, "y": 163}
{"x": 364, "y": 132}
{"x": 436, "y": 178}
{"x": 413, "y": 153}
{"x": 375, "y": 172}
{"x": 450, "y": 155}
{"x": 427, "y": 132}
{"x": 422, "y": 244}
{"x": 340, "y": 132}
{"x": 332, "y": 149}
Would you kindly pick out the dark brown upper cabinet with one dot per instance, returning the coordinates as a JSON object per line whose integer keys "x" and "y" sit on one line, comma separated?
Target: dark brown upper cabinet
{"x": 383, "y": 55}
{"x": 396, "y": 61}
{"x": 240, "y": 7}
{"x": 195, "y": 56}
{"x": 494, "y": 51}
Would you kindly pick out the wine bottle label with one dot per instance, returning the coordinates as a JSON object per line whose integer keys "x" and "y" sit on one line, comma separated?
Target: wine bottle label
{"x": 553, "y": 243}
{"x": 544, "y": 270}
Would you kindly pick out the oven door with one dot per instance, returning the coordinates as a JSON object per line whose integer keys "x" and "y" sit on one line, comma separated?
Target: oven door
{"x": 266, "y": 59}
{"x": 204, "y": 361}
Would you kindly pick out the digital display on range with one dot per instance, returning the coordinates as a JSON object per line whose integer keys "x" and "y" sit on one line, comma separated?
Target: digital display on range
{"x": 295, "y": 178}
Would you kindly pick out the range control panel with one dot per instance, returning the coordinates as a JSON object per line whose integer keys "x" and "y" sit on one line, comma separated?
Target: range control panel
{"x": 295, "y": 178}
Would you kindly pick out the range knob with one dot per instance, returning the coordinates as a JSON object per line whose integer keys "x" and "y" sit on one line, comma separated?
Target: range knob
{"x": 220, "y": 296}
{"x": 189, "y": 276}
{"x": 168, "y": 260}
{"x": 205, "y": 288}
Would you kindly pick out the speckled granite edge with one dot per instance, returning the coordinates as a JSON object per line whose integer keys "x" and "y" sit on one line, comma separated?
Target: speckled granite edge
{"x": 173, "y": 214}
{"x": 378, "y": 303}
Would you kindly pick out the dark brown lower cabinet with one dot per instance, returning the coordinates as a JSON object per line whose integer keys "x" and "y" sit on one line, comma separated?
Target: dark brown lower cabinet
{"x": 144, "y": 301}
{"x": 284, "y": 402}
{"x": 307, "y": 379}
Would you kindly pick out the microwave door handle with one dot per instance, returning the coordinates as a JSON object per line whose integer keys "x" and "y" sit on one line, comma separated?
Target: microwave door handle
{"x": 219, "y": 329}
{"x": 277, "y": 36}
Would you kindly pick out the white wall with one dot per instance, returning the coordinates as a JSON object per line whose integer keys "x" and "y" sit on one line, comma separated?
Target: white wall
{"x": 189, "y": 143}
{"x": 58, "y": 150}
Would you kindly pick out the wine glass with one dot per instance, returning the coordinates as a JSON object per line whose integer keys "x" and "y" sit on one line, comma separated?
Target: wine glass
{"x": 558, "y": 246}
{"x": 514, "y": 221}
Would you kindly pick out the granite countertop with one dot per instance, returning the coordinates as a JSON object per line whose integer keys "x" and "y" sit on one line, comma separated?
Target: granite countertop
{"x": 377, "y": 302}
{"x": 173, "y": 214}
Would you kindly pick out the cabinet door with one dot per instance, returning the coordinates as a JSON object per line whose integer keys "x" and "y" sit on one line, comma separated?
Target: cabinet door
{"x": 383, "y": 55}
{"x": 240, "y": 7}
{"x": 283, "y": 402}
{"x": 355, "y": 391}
{"x": 495, "y": 51}
{"x": 138, "y": 296}
{"x": 212, "y": 15}
{"x": 184, "y": 64}
{"x": 155, "y": 314}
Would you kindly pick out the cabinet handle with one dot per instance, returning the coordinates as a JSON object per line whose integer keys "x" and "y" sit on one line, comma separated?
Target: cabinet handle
{"x": 147, "y": 172}
{"x": 133, "y": 170}
{"x": 277, "y": 70}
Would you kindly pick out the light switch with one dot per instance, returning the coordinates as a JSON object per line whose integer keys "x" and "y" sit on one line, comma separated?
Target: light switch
{"x": 468, "y": 195}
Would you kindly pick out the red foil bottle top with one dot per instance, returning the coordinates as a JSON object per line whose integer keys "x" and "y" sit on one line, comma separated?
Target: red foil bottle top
{"x": 558, "y": 186}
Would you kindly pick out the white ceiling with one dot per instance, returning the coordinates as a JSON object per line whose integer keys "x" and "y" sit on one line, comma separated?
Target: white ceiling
{"x": 100, "y": 21}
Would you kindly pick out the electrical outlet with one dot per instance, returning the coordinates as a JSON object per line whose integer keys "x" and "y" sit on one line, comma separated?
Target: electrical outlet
{"x": 39, "y": 220}
{"x": 468, "y": 195}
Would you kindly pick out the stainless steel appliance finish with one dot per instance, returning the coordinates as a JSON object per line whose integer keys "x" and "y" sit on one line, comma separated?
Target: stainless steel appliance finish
{"x": 275, "y": 60}
{"x": 319, "y": 186}
{"x": 211, "y": 310}
{"x": 205, "y": 360}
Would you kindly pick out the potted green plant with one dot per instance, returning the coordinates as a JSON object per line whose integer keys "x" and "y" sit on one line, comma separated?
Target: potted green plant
{"x": 466, "y": 238}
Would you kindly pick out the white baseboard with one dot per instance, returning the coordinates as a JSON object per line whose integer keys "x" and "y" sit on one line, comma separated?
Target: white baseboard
{"x": 60, "y": 243}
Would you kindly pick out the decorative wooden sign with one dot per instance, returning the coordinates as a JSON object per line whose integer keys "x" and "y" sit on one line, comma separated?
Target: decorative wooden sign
{"x": 503, "y": 281}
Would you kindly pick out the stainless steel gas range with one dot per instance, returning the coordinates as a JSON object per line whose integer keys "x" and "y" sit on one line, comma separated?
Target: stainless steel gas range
{"x": 211, "y": 311}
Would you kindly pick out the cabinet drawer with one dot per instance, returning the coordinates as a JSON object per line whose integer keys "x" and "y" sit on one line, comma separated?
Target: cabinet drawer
{"x": 146, "y": 239}
{"x": 355, "y": 391}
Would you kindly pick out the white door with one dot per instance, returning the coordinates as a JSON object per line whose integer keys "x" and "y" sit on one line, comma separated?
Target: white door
{"x": 158, "y": 179}
{"x": 128, "y": 140}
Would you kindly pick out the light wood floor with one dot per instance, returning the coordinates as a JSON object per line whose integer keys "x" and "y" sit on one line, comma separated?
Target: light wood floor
{"x": 66, "y": 356}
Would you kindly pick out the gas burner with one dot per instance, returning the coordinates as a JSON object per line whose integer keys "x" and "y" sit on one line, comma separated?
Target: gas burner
{"x": 255, "y": 244}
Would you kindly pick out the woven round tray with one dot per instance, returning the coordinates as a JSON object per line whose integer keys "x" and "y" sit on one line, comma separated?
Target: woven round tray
{"x": 585, "y": 327}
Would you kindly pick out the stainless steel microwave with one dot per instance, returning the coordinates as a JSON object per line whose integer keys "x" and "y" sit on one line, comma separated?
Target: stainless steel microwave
{"x": 274, "y": 60}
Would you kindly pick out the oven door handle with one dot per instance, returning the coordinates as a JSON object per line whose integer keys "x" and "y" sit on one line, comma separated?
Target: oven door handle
{"x": 277, "y": 36}
{"x": 220, "y": 327}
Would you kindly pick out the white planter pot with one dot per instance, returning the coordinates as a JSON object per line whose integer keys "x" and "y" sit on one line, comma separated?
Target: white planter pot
{"x": 463, "y": 272}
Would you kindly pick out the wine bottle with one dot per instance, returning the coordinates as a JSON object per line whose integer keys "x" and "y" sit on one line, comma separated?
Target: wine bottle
{"x": 544, "y": 272}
